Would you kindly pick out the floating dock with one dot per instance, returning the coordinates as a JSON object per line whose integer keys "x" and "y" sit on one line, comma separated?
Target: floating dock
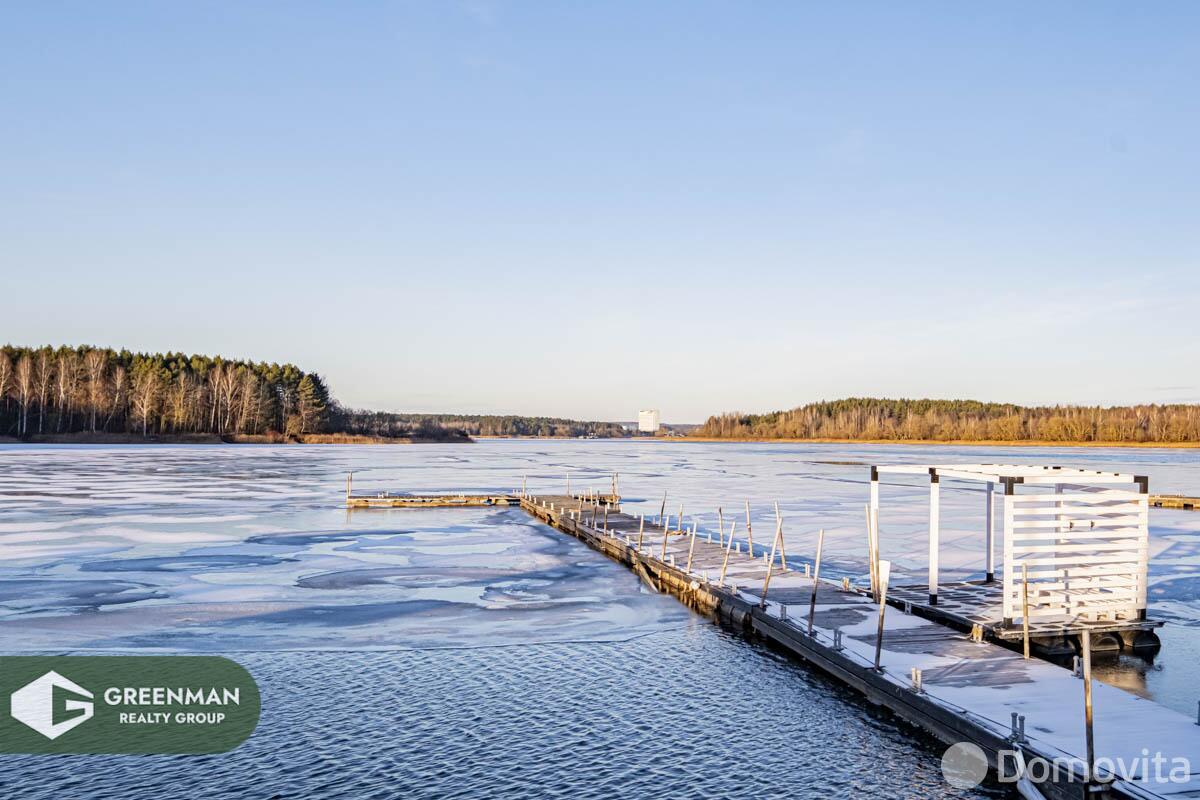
{"x": 950, "y": 683}
{"x": 1179, "y": 501}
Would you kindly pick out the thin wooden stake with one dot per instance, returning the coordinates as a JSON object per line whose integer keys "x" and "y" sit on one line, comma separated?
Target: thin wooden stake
{"x": 728, "y": 547}
{"x": 749, "y": 529}
{"x": 1086, "y": 640}
{"x": 662, "y": 509}
{"x": 664, "y": 544}
{"x": 641, "y": 530}
{"x": 812, "y": 601}
{"x": 885, "y": 571}
{"x": 872, "y": 564}
{"x": 770, "y": 563}
{"x": 523, "y": 479}
{"x": 691, "y": 549}
{"x": 782, "y": 549}
{"x": 679, "y": 525}
{"x": 720, "y": 527}
{"x": 1025, "y": 605}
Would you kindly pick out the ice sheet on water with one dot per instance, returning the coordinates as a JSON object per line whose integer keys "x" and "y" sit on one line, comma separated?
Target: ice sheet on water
{"x": 249, "y": 545}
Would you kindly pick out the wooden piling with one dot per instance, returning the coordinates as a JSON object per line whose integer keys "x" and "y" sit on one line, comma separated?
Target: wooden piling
{"x": 691, "y": 549}
{"x": 771, "y": 563}
{"x": 749, "y": 528}
{"x": 1085, "y": 639}
{"x": 782, "y": 549}
{"x": 885, "y": 571}
{"x": 641, "y": 530}
{"x": 812, "y": 601}
{"x": 728, "y": 547}
{"x": 1025, "y": 606}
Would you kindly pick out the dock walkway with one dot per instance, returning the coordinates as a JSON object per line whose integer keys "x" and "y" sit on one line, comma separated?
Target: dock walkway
{"x": 970, "y": 691}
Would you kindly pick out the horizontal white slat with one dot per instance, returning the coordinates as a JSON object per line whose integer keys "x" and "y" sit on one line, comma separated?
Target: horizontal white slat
{"x": 1082, "y": 563}
{"x": 1036, "y": 480}
{"x": 1075, "y": 511}
{"x": 1091, "y": 571}
{"x": 1099, "y": 534}
{"x": 1079, "y": 525}
{"x": 1080, "y": 584}
{"x": 1081, "y": 597}
{"x": 1118, "y": 547}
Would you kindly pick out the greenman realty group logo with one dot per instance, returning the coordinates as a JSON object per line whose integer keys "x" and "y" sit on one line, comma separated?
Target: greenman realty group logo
{"x": 125, "y": 704}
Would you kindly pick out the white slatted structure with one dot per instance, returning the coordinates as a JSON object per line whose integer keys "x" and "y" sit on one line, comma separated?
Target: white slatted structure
{"x": 1081, "y": 534}
{"x": 1086, "y": 551}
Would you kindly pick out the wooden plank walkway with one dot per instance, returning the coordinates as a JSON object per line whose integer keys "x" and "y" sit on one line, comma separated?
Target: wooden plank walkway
{"x": 970, "y": 690}
{"x": 1178, "y": 501}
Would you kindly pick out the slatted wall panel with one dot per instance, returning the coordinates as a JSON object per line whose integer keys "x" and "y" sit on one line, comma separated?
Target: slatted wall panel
{"x": 1086, "y": 551}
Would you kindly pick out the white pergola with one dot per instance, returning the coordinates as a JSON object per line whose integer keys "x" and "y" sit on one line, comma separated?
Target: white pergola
{"x": 1079, "y": 537}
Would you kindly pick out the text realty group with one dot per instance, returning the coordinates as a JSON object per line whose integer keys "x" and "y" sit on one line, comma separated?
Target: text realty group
{"x": 151, "y": 696}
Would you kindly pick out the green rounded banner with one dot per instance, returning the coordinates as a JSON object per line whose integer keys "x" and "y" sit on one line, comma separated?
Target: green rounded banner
{"x": 125, "y": 704}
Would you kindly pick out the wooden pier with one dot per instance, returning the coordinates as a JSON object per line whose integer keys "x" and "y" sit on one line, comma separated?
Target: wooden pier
{"x": 950, "y": 683}
{"x": 1179, "y": 501}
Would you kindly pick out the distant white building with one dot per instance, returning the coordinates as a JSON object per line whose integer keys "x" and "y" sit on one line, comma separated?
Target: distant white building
{"x": 648, "y": 421}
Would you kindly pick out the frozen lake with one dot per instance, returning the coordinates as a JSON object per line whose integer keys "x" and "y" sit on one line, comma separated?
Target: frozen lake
{"x": 246, "y": 551}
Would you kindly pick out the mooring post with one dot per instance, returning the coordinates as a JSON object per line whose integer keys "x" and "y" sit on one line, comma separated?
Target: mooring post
{"x": 728, "y": 547}
{"x": 1025, "y": 605}
{"x": 812, "y": 601}
{"x": 782, "y": 548}
{"x": 885, "y": 571}
{"x": 349, "y": 483}
{"x": 679, "y": 525}
{"x": 523, "y": 479}
{"x": 662, "y": 509}
{"x": 641, "y": 530}
{"x": 606, "y": 519}
{"x": 770, "y": 563}
{"x": 750, "y": 528}
{"x": 664, "y": 543}
{"x": 916, "y": 680}
{"x": 1085, "y": 639}
{"x": 720, "y": 527}
{"x": 691, "y": 549}
{"x": 871, "y": 563}
{"x": 568, "y": 483}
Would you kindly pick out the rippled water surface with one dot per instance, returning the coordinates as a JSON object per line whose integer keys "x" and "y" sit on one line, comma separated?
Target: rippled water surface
{"x": 472, "y": 652}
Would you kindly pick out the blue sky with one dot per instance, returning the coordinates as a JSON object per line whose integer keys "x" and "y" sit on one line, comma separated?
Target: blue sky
{"x": 582, "y": 209}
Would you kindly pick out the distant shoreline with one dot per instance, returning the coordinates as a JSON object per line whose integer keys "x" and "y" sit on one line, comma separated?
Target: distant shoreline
{"x": 212, "y": 438}
{"x": 952, "y": 442}
{"x": 350, "y": 439}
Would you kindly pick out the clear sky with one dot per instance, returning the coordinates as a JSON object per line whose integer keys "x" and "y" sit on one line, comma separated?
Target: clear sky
{"x": 583, "y": 209}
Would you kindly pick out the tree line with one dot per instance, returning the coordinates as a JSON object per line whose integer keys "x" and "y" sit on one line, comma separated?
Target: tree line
{"x": 383, "y": 423}
{"x": 48, "y": 390}
{"x": 962, "y": 420}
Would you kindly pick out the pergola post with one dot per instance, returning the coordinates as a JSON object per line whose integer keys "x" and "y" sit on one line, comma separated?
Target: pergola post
{"x": 874, "y": 491}
{"x": 991, "y": 532}
{"x": 934, "y": 515}
{"x": 1008, "y": 609}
